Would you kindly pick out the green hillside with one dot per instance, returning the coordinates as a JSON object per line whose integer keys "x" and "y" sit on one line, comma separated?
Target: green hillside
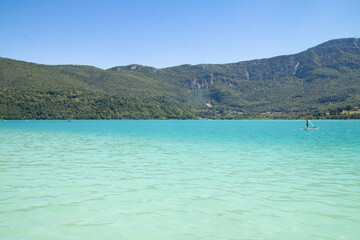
{"x": 323, "y": 77}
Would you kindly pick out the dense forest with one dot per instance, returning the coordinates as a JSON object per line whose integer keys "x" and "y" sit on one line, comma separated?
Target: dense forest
{"x": 322, "y": 82}
{"x": 21, "y": 104}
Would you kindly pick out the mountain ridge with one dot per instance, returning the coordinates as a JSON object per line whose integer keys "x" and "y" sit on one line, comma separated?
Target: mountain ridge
{"x": 315, "y": 78}
{"x": 348, "y": 41}
{"x": 342, "y": 42}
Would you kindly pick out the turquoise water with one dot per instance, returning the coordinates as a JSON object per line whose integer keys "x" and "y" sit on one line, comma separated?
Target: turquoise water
{"x": 179, "y": 180}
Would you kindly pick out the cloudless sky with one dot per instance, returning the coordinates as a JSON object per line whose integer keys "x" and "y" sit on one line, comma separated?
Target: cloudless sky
{"x": 164, "y": 33}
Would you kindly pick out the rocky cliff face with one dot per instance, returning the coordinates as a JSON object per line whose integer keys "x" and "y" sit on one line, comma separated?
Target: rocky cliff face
{"x": 329, "y": 55}
{"x": 325, "y": 74}
{"x": 331, "y": 68}
{"x": 338, "y": 43}
{"x": 302, "y": 65}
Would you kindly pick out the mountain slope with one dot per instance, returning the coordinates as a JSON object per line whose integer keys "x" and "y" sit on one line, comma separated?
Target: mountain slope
{"x": 322, "y": 76}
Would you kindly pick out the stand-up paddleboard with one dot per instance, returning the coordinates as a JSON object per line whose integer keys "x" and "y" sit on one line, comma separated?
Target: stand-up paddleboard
{"x": 309, "y": 129}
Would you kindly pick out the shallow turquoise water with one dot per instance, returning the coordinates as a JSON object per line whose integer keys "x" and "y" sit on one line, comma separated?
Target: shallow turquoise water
{"x": 179, "y": 180}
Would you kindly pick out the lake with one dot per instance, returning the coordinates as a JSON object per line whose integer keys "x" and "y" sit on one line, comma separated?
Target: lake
{"x": 135, "y": 179}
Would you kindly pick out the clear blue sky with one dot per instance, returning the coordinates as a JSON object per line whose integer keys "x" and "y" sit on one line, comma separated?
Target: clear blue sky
{"x": 163, "y": 33}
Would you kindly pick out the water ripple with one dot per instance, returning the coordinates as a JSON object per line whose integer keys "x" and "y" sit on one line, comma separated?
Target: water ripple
{"x": 183, "y": 180}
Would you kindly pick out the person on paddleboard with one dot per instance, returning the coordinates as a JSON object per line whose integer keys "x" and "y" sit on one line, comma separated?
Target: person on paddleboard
{"x": 307, "y": 122}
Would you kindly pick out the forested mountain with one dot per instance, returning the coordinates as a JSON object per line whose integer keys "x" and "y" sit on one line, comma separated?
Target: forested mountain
{"x": 320, "y": 78}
